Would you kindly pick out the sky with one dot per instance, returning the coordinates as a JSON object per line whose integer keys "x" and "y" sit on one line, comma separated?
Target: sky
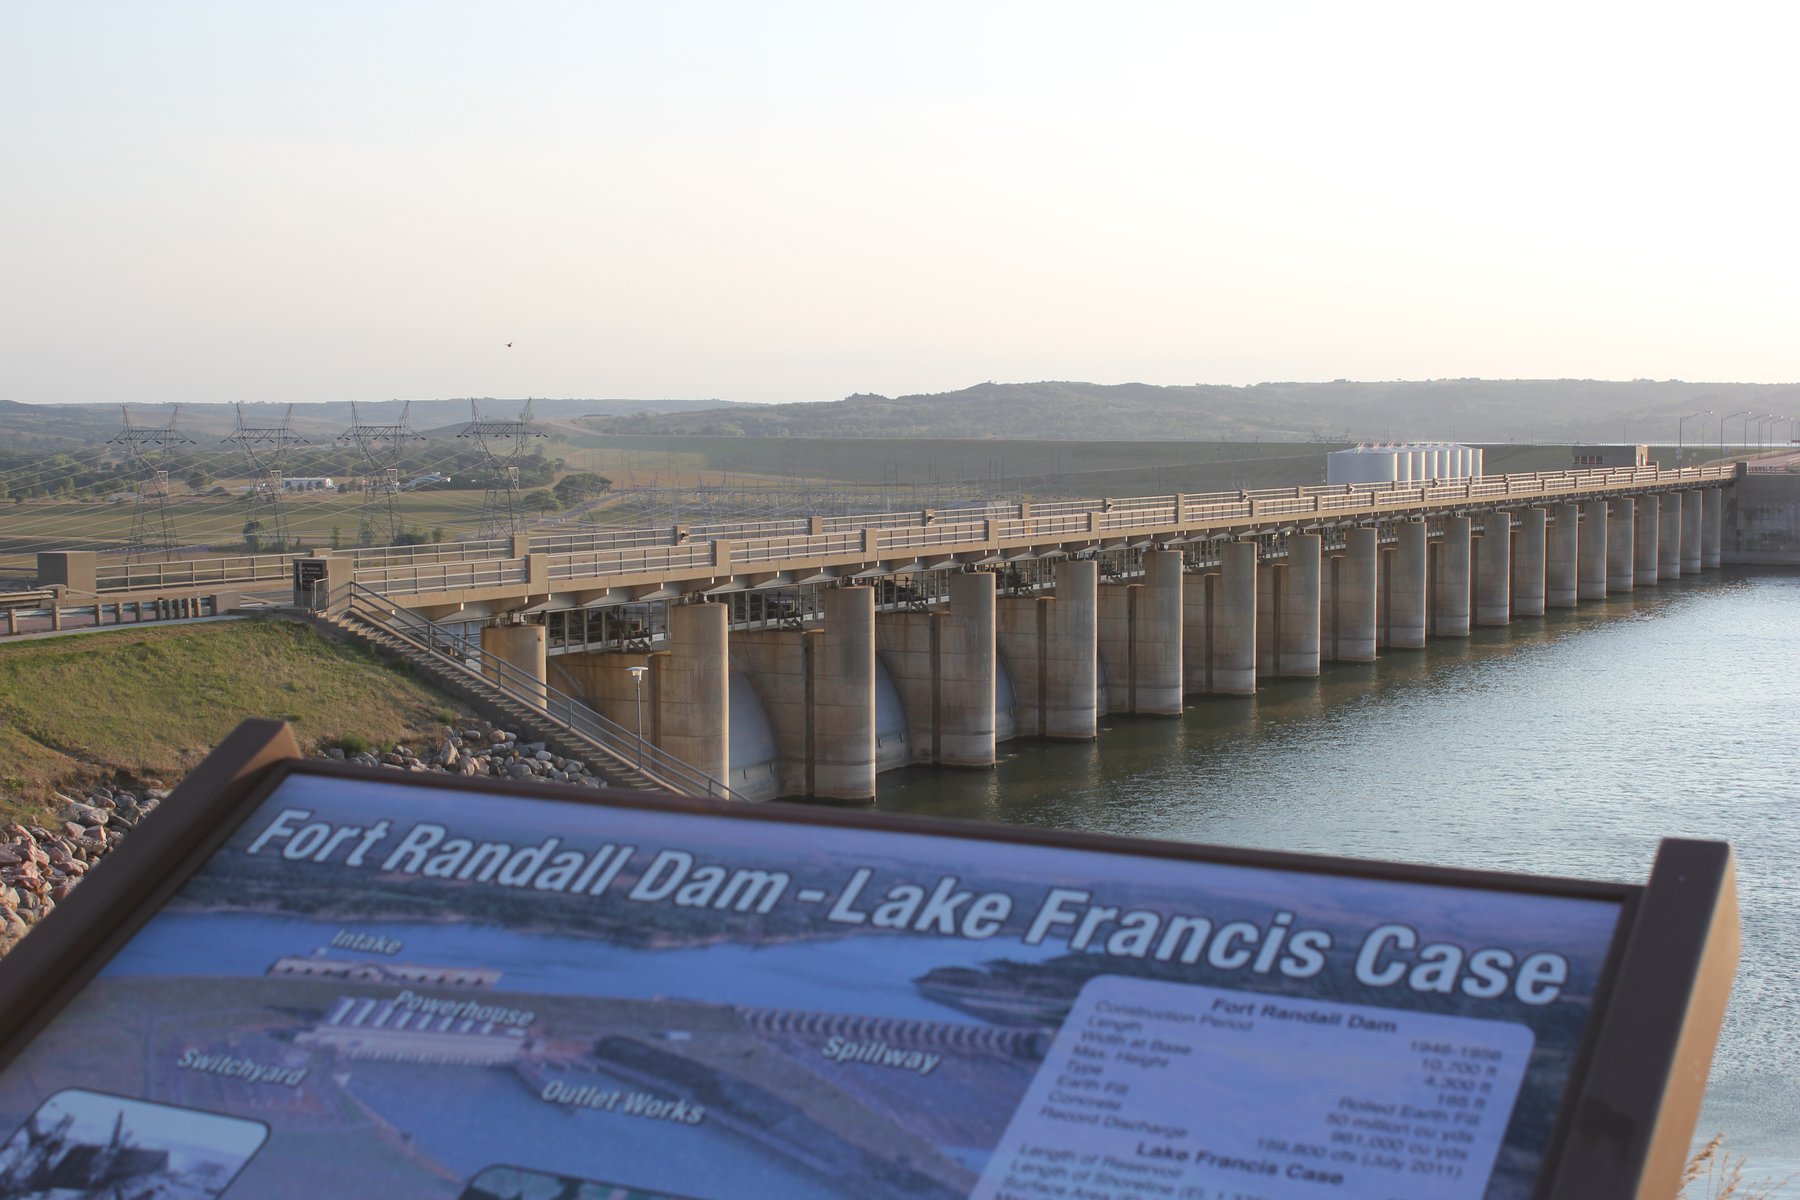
{"x": 787, "y": 201}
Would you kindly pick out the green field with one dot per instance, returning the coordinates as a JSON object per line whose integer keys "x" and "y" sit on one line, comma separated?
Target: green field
{"x": 217, "y": 522}
{"x": 1036, "y": 467}
{"x": 152, "y": 702}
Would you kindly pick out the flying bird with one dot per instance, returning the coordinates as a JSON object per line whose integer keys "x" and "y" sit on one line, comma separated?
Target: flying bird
{"x": 509, "y": 345}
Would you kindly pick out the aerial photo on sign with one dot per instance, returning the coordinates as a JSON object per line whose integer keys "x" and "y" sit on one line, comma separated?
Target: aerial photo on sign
{"x": 433, "y": 992}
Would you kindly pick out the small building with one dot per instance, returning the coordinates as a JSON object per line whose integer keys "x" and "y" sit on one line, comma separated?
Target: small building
{"x": 316, "y": 967}
{"x": 308, "y": 483}
{"x": 1612, "y": 456}
{"x": 365, "y": 1028}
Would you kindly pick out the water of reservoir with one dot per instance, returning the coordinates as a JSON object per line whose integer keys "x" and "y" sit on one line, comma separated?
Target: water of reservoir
{"x": 1563, "y": 746}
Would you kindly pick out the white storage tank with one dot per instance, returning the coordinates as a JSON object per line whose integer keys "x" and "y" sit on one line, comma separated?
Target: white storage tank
{"x": 1408, "y": 463}
{"x": 1476, "y": 457}
{"x": 1364, "y": 464}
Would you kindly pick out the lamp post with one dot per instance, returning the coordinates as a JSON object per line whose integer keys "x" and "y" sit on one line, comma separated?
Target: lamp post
{"x": 637, "y": 687}
{"x": 1728, "y": 417}
{"x": 1762, "y": 431}
{"x": 1680, "y": 428}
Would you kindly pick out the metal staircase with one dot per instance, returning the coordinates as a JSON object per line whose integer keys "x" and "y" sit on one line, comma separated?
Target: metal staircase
{"x": 562, "y": 722}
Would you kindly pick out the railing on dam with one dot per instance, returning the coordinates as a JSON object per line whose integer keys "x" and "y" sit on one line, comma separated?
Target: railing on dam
{"x": 447, "y": 649}
{"x": 750, "y": 546}
{"x": 566, "y": 556}
{"x": 193, "y": 573}
{"x": 431, "y": 552}
{"x": 426, "y": 577}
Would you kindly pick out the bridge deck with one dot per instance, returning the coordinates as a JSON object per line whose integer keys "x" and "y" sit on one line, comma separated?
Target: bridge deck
{"x": 618, "y": 566}
{"x": 572, "y": 569}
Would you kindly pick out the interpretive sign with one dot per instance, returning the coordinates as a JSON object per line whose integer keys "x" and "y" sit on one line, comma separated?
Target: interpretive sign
{"x": 354, "y": 984}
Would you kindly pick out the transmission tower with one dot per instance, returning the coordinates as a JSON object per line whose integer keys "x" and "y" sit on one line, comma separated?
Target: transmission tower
{"x": 147, "y": 451}
{"x": 265, "y": 448}
{"x": 502, "y": 444}
{"x": 380, "y": 447}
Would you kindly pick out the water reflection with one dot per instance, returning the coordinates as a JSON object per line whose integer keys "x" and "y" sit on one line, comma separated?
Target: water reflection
{"x": 1566, "y": 746}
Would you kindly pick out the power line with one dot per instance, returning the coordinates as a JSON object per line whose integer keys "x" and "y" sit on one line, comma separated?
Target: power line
{"x": 380, "y": 446}
{"x": 147, "y": 450}
{"x": 265, "y": 448}
{"x": 502, "y": 444}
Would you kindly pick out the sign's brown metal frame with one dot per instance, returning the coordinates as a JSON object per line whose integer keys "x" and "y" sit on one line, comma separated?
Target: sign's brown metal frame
{"x": 1628, "y": 1111}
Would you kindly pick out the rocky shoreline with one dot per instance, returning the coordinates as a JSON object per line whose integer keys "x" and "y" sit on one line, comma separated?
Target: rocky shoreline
{"x": 41, "y": 862}
{"x": 494, "y": 752}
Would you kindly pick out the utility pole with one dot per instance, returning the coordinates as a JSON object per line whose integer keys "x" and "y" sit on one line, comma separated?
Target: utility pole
{"x": 502, "y": 444}
{"x": 148, "y": 453}
{"x": 637, "y": 686}
{"x": 1722, "y": 420}
{"x": 1680, "y": 430}
{"x": 265, "y": 449}
{"x": 380, "y": 445}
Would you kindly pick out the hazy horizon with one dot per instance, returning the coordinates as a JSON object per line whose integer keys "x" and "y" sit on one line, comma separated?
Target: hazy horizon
{"x": 701, "y": 400}
{"x": 307, "y": 202}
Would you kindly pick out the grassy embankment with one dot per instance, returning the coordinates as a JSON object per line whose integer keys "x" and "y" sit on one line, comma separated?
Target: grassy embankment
{"x": 150, "y": 703}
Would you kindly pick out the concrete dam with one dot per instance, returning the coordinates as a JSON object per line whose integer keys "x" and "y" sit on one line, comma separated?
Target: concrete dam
{"x": 803, "y": 660}
{"x": 803, "y": 657}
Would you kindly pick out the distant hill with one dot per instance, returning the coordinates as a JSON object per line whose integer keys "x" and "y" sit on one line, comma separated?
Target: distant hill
{"x": 57, "y": 425}
{"x": 1466, "y": 410}
{"x": 1469, "y": 410}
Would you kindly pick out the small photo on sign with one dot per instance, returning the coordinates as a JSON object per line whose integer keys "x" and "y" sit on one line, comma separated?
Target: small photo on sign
{"x": 517, "y": 1183}
{"x": 82, "y": 1144}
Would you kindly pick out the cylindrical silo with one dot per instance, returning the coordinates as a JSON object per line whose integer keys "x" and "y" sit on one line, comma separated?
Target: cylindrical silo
{"x": 1476, "y": 470}
{"x": 1363, "y": 465}
{"x": 1421, "y": 463}
{"x": 1402, "y": 466}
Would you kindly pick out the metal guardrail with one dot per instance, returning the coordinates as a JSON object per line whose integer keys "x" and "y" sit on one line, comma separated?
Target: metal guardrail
{"x": 195, "y": 572}
{"x": 617, "y": 743}
{"x": 54, "y": 617}
{"x": 590, "y": 563}
{"x": 429, "y": 552}
{"x": 598, "y": 539}
{"x": 32, "y": 598}
{"x": 455, "y": 566}
{"x": 427, "y": 577}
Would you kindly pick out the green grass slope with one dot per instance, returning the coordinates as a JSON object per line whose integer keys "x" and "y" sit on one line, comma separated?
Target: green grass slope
{"x": 150, "y": 703}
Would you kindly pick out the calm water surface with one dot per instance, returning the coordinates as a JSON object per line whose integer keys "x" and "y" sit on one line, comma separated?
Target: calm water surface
{"x": 1564, "y": 746}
